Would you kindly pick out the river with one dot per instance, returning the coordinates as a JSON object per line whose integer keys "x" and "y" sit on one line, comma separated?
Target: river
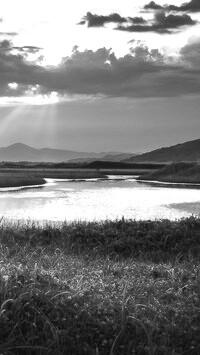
{"x": 99, "y": 199}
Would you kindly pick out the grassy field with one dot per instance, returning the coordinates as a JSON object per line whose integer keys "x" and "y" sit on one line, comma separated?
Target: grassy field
{"x": 123, "y": 287}
{"x": 177, "y": 172}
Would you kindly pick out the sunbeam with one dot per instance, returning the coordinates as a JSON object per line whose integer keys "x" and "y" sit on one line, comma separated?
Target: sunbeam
{"x": 10, "y": 121}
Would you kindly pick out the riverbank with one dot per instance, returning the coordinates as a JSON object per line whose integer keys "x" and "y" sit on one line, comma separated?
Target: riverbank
{"x": 100, "y": 288}
{"x": 13, "y": 177}
{"x": 188, "y": 173}
{"x": 16, "y": 177}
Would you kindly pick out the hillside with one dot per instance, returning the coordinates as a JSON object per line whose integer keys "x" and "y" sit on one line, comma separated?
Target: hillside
{"x": 22, "y": 152}
{"x": 188, "y": 151}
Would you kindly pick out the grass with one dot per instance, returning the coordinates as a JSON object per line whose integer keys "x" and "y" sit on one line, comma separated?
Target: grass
{"x": 176, "y": 172}
{"x": 123, "y": 287}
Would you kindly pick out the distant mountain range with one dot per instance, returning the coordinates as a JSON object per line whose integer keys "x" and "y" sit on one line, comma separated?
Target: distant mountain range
{"x": 114, "y": 157}
{"x": 22, "y": 152}
{"x": 188, "y": 151}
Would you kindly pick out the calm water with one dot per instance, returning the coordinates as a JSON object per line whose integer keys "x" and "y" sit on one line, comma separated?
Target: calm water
{"x": 98, "y": 199}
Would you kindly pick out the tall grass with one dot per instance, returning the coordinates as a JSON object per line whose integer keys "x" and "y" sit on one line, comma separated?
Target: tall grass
{"x": 122, "y": 287}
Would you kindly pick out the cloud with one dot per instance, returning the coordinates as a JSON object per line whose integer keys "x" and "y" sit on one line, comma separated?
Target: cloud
{"x": 138, "y": 74}
{"x": 191, "y": 6}
{"x": 136, "y": 20}
{"x": 162, "y": 23}
{"x": 14, "y": 68}
{"x": 28, "y": 49}
{"x": 5, "y": 45}
{"x": 190, "y": 54}
{"x": 94, "y": 20}
{"x": 153, "y": 6}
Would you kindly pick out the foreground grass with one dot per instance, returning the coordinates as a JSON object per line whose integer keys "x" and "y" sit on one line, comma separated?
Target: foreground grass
{"x": 122, "y": 287}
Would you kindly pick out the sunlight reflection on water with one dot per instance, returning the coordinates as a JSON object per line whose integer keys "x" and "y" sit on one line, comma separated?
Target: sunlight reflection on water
{"x": 99, "y": 200}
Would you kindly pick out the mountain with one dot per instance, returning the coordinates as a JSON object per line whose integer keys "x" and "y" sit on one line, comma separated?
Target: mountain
{"x": 22, "y": 152}
{"x": 188, "y": 152}
{"x": 105, "y": 157}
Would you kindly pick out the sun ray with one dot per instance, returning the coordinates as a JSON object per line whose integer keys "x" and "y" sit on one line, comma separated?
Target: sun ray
{"x": 11, "y": 120}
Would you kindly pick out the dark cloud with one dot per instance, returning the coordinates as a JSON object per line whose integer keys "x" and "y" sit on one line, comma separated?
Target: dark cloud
{"x": 191, "y": 6}
{"x": 28, "y": 49}
{"x": 14, "y": 68}
{"x": 5, "y": 45}
{"x": 153, "y": 6}
{"x": 140, "y": 73}
{"x": 136, "y": 20}
{"x": 162, "y": 23}
{"x": 94, "y": 20}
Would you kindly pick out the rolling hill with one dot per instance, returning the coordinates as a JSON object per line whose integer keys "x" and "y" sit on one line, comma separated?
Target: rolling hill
{"x": 188, "y": 152}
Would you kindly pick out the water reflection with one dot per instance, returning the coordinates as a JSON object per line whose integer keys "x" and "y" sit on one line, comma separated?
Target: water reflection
{"x": 99, "y": 199}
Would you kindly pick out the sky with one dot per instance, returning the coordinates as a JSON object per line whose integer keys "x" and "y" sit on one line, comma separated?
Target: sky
{"x": 93, "y": 75}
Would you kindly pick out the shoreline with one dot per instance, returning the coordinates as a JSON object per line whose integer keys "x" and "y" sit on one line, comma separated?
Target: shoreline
{"x": 169, "y": 183}
{"x": 19, "y": 186}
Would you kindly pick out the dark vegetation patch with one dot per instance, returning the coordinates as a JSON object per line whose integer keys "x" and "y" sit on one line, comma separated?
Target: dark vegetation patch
{"x": 19, "y": 179}
{"x": 122, "y": 287}
{"x": 176, "y": 172}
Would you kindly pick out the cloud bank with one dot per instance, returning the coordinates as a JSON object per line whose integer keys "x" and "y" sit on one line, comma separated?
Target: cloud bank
{"x": 141, "y": 73}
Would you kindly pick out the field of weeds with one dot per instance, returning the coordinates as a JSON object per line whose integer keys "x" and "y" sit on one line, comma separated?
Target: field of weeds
{"x": 123, "y": 287}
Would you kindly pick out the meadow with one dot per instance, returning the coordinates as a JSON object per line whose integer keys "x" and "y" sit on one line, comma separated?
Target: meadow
{"x": 121, "y": 287}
